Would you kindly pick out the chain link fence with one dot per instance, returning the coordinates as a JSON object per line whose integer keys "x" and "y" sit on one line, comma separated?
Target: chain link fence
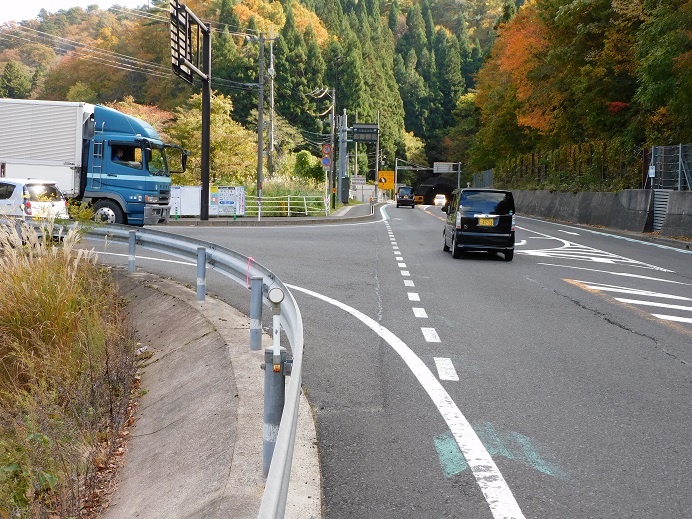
{"x": 670, "y": 167}
{"x": 598, "y": 166}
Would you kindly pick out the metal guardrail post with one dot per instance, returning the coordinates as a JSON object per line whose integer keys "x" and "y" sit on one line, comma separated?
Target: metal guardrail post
{"x": 274, "y": 396}
{"x": 276, "y": 366}
{"x": 132, "y": 243}
{"x": 256, "y": 313}
{"x": 201, "y": 273}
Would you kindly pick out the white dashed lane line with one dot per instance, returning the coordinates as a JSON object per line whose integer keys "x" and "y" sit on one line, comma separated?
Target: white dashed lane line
{"x": 420, "y": 313}
{"x": 445, "y": 369}
{"x": 430, "y": 335}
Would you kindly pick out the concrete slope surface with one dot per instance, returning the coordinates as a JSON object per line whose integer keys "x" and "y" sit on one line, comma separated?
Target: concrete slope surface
{"x": 196, "y": 446}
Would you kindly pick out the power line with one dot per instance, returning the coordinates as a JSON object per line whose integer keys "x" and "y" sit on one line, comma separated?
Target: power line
{"x": 108, "y": 58}
{"x": 135, "y": 65}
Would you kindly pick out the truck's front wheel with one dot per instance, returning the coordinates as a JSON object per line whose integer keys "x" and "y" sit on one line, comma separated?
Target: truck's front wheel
{"x": 107, "y": 211}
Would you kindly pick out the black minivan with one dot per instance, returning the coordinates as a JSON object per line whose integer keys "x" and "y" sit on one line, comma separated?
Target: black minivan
{"x": 404, "y": 196}
{"x": 480, "y": 220}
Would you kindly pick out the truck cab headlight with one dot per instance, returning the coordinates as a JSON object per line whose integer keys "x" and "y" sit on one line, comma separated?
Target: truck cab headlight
{"x": 150, "y": 199}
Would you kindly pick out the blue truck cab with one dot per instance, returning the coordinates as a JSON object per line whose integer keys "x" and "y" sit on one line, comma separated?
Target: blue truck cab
{"x": 126, "y": 173}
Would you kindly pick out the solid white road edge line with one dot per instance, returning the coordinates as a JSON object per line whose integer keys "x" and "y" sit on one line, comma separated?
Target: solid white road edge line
{"x": 497, "y": 493}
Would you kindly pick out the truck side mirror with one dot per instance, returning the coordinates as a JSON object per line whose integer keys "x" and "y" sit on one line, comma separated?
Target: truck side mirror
{"x": 183, "y": 161}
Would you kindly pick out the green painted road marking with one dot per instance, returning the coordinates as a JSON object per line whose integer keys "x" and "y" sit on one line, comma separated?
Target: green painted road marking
{"x": 453, "y": 462}
{"x": 451, "y": 458}
{"x": 492, "y": 442}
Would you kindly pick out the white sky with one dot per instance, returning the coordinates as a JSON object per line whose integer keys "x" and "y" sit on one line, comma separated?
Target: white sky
{"x": 18, "y": 10}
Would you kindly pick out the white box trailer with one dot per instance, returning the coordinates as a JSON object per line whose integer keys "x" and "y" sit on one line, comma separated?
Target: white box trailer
{"x": 45, "y": 140}
{"x": 96, "y": 154}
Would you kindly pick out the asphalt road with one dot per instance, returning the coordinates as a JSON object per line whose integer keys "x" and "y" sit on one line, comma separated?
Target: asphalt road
{"x": 555, "y": 385}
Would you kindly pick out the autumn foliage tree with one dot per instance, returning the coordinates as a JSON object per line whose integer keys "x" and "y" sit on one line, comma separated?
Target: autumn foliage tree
{"x": 568, "y": 72}
{"x": 233, "y": 149}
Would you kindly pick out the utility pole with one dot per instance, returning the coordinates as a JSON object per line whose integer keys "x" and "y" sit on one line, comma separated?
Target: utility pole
{"x": 343, "y": 155}
{"x": 332, "y": 179}
{"x": 260, "y": 126}
{"x": 270, "y": 151}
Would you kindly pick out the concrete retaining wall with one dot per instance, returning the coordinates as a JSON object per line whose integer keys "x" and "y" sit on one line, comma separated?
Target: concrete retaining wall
{"x": 629, "y": 210}
{"x": 679, "y": 218}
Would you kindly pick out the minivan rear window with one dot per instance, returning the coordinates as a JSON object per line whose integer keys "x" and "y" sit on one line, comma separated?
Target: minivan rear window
{"x": 486, "y": 202}
{"x": 405, "y": 191}
{"x": 43, "y": 192}
{"x": 6, "y": 191}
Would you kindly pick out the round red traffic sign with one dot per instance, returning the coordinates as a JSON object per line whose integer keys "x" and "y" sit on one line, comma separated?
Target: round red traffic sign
{"x": 326, "y": 149}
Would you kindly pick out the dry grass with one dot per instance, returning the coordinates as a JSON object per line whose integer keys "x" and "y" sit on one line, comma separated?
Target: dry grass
{"x": 66, "y": 367}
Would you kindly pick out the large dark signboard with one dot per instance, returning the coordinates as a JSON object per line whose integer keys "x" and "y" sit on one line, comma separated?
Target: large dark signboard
{"x": 365, "y": 132}
{"x": 181, "y": 41}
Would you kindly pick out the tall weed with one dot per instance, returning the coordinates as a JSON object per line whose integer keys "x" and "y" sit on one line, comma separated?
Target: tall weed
{"x": 66, "y": 366}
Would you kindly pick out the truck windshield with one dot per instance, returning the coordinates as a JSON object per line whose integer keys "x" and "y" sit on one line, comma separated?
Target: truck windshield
{"x": 157, "y": 164}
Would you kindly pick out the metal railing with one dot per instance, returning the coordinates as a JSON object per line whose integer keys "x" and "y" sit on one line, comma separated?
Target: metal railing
{"x": 241, "y": 269}
{"x": 289, "y": 205}
{"x": 671, "y": 167}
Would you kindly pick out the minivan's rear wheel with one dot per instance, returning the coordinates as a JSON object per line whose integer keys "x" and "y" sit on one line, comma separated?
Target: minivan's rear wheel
{"x": 107, "y": 211}
{"x": 456, "y": 252}
{"x": 509, "y": 254}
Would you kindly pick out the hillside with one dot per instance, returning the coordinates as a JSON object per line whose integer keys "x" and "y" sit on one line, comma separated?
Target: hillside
{"x": 480, "y": 82}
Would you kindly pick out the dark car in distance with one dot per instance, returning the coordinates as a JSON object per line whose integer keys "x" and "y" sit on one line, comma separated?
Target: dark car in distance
{"x": 479, "y": 220}
{"x": 404, "y": 196}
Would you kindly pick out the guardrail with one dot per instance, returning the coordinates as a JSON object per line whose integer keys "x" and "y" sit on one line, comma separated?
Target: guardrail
{"x": 240, "y": 269}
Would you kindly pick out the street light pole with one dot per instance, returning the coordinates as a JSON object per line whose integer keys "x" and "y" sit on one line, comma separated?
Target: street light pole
{"x": 377, "y": 160}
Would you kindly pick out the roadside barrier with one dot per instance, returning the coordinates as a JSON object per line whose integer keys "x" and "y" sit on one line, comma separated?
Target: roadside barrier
{"x": 289, "y": 205}
{"x": 281, "y": 410}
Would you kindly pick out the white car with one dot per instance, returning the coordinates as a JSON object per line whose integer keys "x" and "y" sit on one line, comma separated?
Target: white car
{"x": 31, "y": 198}
{"x": 440, "y": 200}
